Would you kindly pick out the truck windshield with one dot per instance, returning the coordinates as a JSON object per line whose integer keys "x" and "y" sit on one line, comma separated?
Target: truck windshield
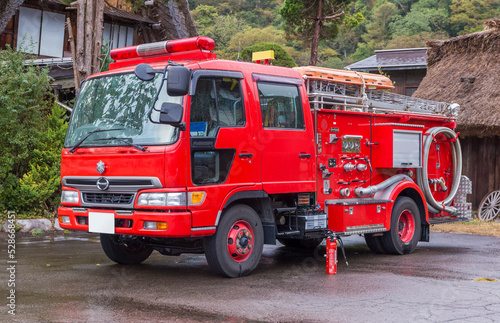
{"x": 119, "y": 102}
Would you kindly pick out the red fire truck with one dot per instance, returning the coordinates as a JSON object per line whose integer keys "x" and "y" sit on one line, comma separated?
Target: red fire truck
{"x": 176, "y": 151}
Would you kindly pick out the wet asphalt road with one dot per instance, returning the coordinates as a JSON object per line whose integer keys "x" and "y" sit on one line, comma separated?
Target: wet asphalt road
{"x": 69, "y": 279}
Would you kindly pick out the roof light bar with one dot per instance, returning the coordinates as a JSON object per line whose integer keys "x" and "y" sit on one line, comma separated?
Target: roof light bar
{"x": 165, "y": 47}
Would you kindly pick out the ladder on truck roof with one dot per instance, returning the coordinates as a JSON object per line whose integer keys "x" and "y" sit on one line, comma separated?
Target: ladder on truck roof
{"x": 341, "y": 93}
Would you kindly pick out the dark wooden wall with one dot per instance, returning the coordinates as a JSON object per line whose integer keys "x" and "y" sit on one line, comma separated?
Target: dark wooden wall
{"x": 481, "y": 163}
{"x": 406, "y": 81}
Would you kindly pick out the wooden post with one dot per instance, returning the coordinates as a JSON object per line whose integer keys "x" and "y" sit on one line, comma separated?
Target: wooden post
{"x": 89, "y": 33}
{"x": 80, "y": 41}
{"x": 71, "y": 40}
{"x": 99, "y": 26}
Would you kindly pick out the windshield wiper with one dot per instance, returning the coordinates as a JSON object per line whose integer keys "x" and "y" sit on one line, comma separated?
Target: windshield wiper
{"x": 73, "y": 149}
{"x": 124, "y": 140}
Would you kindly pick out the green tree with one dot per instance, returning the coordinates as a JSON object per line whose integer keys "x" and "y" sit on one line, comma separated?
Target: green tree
{"x": 252, "y": 36}
{"x": 378, "y": 33}
{"x": 414, "y": 41}
{"x": 204, "y": 17}
{"x": 314, "y": 21}
{"x": 31, "y": 137}
{"x": 281, "y": 57}
{"x": 223, "y": 30}
{"x": 468, "y": 15}
{"x": 362, "y": 51}
{"x": 424, "y": 16}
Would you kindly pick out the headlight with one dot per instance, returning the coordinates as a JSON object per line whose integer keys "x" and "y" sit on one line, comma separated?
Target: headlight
{"x": 162, "y": 199}
{"x": 69, "y": 197}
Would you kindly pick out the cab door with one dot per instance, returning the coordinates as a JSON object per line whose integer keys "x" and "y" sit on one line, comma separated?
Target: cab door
{"x": 223, "y": 154}
{"x": 286, "y": 136}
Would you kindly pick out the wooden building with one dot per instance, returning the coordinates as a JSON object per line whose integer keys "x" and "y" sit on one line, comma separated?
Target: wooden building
{"x": 405, "y": 67}
{"x": 466, "y": 70}
{"x": 38, "y": 27}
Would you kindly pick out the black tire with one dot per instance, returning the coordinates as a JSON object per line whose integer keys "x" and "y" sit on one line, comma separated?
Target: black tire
{"x": 375, "y": 243}
{"x": 308, "y": 244}
{"x": 405, "y": 230}
{"x": 124, "y": 253}
{"x": 239, "y": 226}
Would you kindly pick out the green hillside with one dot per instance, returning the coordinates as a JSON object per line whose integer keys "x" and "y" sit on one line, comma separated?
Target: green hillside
{"x": 369, "y": 25}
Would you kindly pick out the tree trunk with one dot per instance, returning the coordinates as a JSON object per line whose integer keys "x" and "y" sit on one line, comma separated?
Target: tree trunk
{"x": 315, "y": 40}
{"x": 87, "y": 60}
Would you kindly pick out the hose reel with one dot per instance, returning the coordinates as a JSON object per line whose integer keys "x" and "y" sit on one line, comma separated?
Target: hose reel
{"x": 433, "y": 205}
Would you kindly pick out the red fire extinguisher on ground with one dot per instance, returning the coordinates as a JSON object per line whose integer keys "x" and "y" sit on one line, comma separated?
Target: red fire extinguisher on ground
{"x": 331, "y": 256}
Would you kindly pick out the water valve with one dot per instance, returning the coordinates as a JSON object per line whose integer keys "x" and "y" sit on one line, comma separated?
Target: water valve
{"x": 349, "y": 167}
{"x": 361, "y": 167}
{"x": 345, "y": 192}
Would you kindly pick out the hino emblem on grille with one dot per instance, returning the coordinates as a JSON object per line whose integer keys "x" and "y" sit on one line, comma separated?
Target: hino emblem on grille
{"x": 102, "y": 184}
{"x": 101, "y": 167}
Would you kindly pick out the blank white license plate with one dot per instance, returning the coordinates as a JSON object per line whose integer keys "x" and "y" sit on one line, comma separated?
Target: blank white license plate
{"x": 100, "y": 222}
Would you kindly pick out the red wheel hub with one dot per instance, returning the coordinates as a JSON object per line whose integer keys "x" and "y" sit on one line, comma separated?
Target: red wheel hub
{"x": 406, "y": 226}
{"x": 240, "y": 241}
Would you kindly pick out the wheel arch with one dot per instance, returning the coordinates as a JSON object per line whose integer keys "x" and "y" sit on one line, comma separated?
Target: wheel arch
{"x": 411, "y": 190}
{"x": 260, "y": 202}
{"x": 422, "y": 208}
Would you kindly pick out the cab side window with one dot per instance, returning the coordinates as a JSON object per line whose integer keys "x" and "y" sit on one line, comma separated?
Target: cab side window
{"x": 280, "y": 106}
{"x": 216, "y": 103}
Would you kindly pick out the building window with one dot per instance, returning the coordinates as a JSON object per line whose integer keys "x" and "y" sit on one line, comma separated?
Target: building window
{"x": 116, "y": 35}
{"x": 40, "y": 32}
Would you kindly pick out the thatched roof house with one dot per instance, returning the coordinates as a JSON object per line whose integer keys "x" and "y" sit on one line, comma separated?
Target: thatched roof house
{"x": 466, "y": 70}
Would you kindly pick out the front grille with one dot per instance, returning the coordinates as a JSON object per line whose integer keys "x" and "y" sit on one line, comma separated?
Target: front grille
{"x": 112, "y": 182}
{"x": 108, "y": 198}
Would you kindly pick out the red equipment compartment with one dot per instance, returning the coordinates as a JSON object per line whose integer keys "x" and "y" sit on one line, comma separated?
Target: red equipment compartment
{"x": 351, "y": 216}
{"x": 343, "y": 153}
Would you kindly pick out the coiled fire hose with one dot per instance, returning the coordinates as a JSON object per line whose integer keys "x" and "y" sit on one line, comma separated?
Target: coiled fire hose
{"x": 423, "y": 176}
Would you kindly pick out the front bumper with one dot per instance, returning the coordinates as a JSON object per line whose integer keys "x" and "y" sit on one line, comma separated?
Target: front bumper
{"x": 131, "y": 222}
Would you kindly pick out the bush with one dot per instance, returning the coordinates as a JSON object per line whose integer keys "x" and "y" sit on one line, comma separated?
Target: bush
{"x": 33, "y": 130}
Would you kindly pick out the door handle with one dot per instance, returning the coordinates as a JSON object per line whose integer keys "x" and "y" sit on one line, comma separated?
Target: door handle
{"x": 303, "y": 155}
{"x": 245, "y": 155}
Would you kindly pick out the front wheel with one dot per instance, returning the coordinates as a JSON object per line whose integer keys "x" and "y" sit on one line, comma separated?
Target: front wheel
{"x": 375, "y": 243}
{"x": 235, "y": 249}
{"x": 405, "y": 230}
{"x": 126, "y": 253}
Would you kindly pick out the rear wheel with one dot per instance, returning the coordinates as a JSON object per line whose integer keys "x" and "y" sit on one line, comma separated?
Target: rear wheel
{"x": 405, "y": 230}
{"x": 301, "y": 243}
{"x": 130, "y": 253}
{"x": 235, "y": 249}
{"x": 375, "y": 243}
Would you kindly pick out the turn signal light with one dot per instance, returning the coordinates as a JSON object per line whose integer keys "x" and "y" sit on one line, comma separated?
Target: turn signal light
{"x": 196, "y": 198}
{"x": 64, "y": 219}
{"x": 152, "y": 225}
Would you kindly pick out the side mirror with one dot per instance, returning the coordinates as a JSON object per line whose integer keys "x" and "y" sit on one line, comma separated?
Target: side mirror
{"x": 171, "y": 113}
{"x": 144, "y": 72}
{"x": 178, "y": 80}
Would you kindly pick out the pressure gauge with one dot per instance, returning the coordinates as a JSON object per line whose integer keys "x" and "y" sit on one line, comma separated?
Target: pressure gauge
{"x": 351, "y": 144}
{"x": 345, "y": 144}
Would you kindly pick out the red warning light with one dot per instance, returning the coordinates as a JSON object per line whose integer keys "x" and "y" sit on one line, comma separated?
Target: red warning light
{"x": 162, "y": 48}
